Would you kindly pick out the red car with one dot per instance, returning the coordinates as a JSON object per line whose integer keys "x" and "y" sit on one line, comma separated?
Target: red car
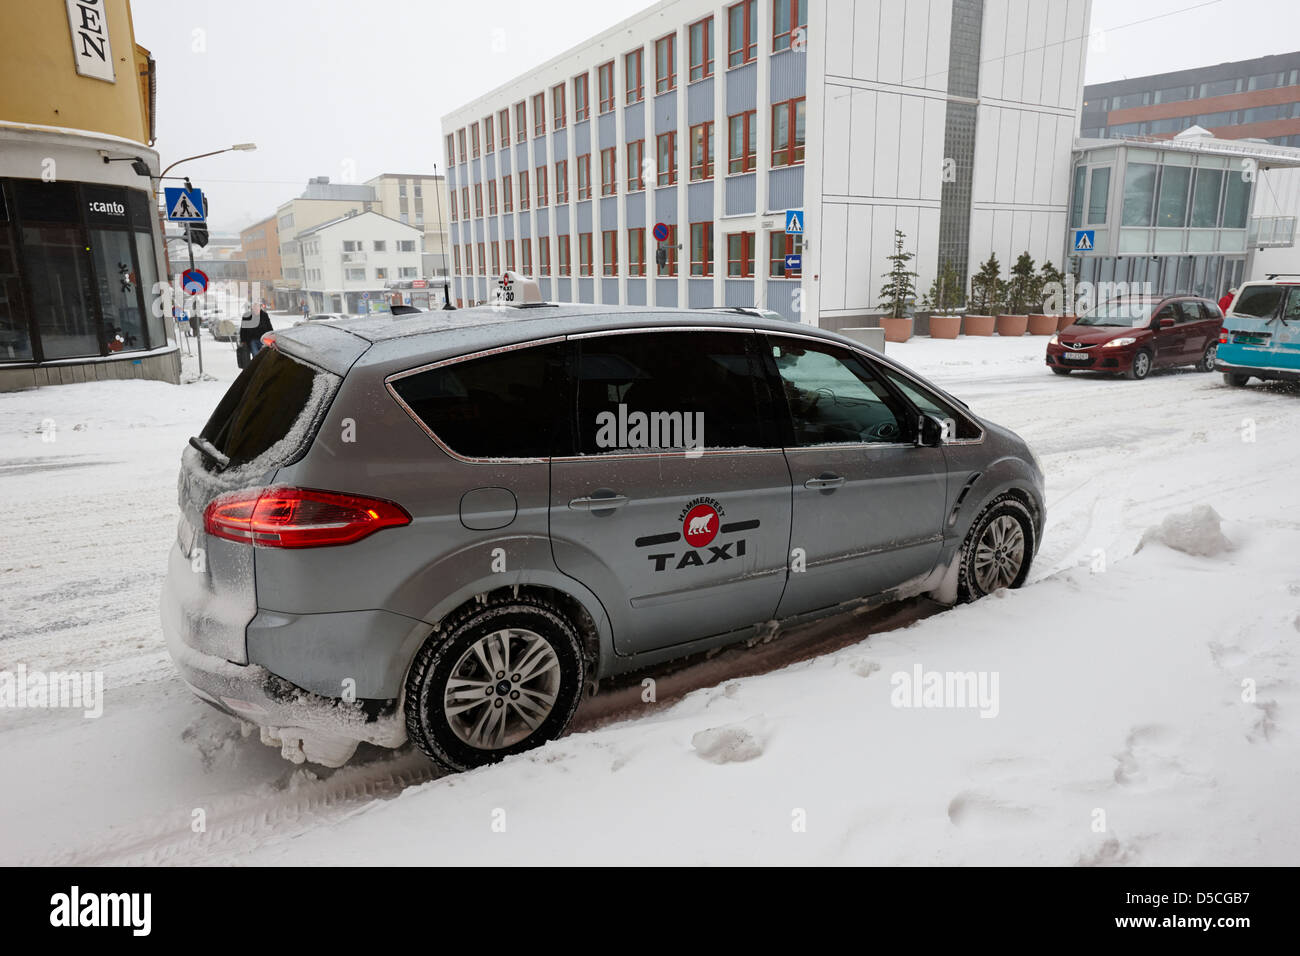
{"x": 1134, "y": 335}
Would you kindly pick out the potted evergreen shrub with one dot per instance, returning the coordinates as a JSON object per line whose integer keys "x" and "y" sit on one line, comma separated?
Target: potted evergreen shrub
{"x": 898, "y": 293}
{"x": 1022, "y": 288}
{"x": 944, "y": 299}
{"x": 986, "y": 287}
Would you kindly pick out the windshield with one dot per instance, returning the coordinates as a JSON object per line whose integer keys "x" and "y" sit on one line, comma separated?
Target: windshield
{"x": 1258, "y": 301}
{"x": 1124, "y": 313}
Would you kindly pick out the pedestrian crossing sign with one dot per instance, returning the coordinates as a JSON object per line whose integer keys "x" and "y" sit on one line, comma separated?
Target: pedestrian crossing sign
{"x": 794, "y": 222}
{"x": 184, "y": 205}
{"x": 1084, "y": 239}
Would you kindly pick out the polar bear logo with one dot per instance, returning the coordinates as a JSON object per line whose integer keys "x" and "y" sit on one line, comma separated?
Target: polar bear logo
{"x": 699, "y": 524}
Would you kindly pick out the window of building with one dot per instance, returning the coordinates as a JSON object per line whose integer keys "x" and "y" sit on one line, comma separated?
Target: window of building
{"x": 780, "y": 245}
{"x": 407, "y": 272}
{"x": 788, "y": 133}
{"x": 605, "y": 86}
{"x": 581, "y": 100}
{"x": 451, "y": 148}
{"x": 1098, "y": 195}
{"x": 636, "y": 252}
{"x": 355, "y": 275}
{"x": 478, "y": 200}
{"x": 510, "y": 255}
{"x": 460, "y": 139}
{"x": 492, "y": 197}
{"x": 544, "y": 255}
{"x": 452, "y": 211}
{"x": 740, "y": 255}
{"x": 702, "y": 151}
{"x": 1175, "y": 94}
{"x": 608, "y": 171}
{"x": 540, "y": 181}
{"x": 584, "y": 176}
{"x": 455, "y": 256}
{"x": 521, "y": 122}
{"x": 788, "y": 17}
{"x": 636, "y": 166}
{"x": 559, "y": 114}
{"x": 561, "y": 181}
{"x": 539, "y": 114}
{"x": 474, "y": 140}
{"x": 469, "y": 259}
{"x": 742, "y": 138}
{"x": 669, "y": 247}
{"x": 609, "y": 246}
{"x": 526, "y": 255}
{"x": 584, "y": 254}
{"x": 700, "y": 35}
{"x": 405, "y": 245}
{"x": 1139, "y": 194}
{"x": 701, "y": 248}
{"x": 487, "y": 140}
{"x": 666, "y": 63}
{"x": 523, "y": 189}
{"x": 742, "y": 32}
{"x": 1076, "y": 196}
{"x": 503, "y": 121}
{"x": 507, "y": 193}
{"x": 380, "y": 245}
{"x": 1217, "y": 88}
{"x": 666, "y": 152}
{"x": 482, "y": 259}
{"x": 464, "y": 195}
{"x": 632, "y": 76}
{"x": 562, "y": 255}
{"x": 1205, "y": 198}
{"x": 1236, "y": 202}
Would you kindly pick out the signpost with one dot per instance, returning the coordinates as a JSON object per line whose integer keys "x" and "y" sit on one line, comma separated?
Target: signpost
{"x": 187, "y": 205}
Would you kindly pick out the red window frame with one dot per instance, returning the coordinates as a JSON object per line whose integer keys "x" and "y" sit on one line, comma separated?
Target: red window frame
{"x": 503, "y": 122}
{"x": 543, "y": 255}
{"x": 451, "y": 149}
{"x": 489, "y": 145}
{"x": 539, "y": 187}
{"x": 563, "y": 263}
{"x": 742, "y": 266}
{"x": 478, "y": 200}
{"x": 792, "y": 153}
{"x": 584, "y": 254}
{"x": 670, "y": 245}
{"x": 584, "y": 176}
{"x": 636, "y": 251}
{"x": 464, "y": 204}
{"x": 521, "y": 122}
{"x": 581, "y": 98}
{"x": 748, "y": 157}
{"x": 609, "y": 171}
{"x": 482, "y": 259}
{"x": 605, "y": 86}
{"x": 700, "y": 60}
{"x": 475, "y": 149}
{"x": 666, "y": 172}
{"x": 455, "y": 255}
{"x": 496, "y": 258}
{"x": 526, "y": 256}
{"x": 666, "y": 72}
{"x": 636, "y": 166}
{"x": 453, "y": 204}
{"x": 609, "y": 253}
{"x": 492, "y": 197}
{"x": 523, "y": 189}
{"x": 460, "y": 139}
{"x": 702, "y": 266}
{"x": 507, "y": 193}
{"x": 469, "y": 259}
{"x": 539, "y": 114}
{"x": 780, "y": 245}
{"x": 559, "y": 115}
{"x": 742, "y": 49}
{"x": 510, "y": 255}
{"x": 634, "y": 75}
{"x": 783, "y": 29}
{"x": 561, "y": 181}
{"x": 703, "y": 169}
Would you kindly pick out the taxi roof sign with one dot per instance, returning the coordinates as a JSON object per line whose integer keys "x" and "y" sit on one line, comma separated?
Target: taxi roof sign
{"x": 515, "y": 289}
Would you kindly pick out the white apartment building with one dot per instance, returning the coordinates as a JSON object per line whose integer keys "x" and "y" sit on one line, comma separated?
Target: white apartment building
{"x": 420, "y": 200}
{"x": 950, "y": 120}
{"x": 353, "y": 261}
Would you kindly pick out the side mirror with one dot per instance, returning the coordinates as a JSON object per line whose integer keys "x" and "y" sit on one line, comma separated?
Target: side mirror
{"x": 1165, "y": 324}
{"x": 931, "y": 431}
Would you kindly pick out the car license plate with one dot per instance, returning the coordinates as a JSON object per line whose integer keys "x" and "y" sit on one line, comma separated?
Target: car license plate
{"x": 1074, "y": 357}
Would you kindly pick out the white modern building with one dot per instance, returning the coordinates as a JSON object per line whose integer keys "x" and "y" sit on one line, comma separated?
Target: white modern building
{"x": 353, "y": 261}
{"x": 950, "y": 120}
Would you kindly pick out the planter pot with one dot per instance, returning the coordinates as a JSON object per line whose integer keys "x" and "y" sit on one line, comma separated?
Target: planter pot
{"x": 1063, "y": 322}
{"x": 896, "y": 330}
{"x": 978, "y": 325}
{"x": 1042, "y": 324}
{"x": 945, "y": 326}
{"x": 1012, "y": 325}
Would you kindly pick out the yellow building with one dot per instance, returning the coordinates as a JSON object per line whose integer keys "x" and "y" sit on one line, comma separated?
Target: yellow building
{"x": 80, "y": 267}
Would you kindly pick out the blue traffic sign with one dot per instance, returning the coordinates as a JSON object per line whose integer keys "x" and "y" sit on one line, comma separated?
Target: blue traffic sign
{"x": 794, "y": 222}
{"x": 1084, "y": 239}
{"x": 793, "y": 263}
{"x": 194, "y": 281}
{"x": 184, "y": 205}
{"x": 660, "y": 231}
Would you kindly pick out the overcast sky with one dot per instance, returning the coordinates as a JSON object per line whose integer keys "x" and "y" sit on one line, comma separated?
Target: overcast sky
{"x": 350, "y": 89}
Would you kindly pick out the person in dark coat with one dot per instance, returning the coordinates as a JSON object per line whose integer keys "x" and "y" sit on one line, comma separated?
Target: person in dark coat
{"x": 252, "y": 329}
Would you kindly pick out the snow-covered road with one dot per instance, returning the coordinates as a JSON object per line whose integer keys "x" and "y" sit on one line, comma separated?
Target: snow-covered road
{"x": 1147, "y": 706}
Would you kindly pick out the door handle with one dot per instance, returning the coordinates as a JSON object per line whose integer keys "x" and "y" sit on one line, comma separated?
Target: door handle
{"x": 597, "y": 503}
{"x": 826, "y": 482}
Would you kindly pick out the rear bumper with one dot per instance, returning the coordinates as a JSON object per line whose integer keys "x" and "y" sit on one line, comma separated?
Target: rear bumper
{"x": 1258, "y": 371}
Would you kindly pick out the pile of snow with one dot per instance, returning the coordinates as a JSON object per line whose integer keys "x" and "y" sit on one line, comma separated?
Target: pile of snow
{"x": 1195, "y": 532}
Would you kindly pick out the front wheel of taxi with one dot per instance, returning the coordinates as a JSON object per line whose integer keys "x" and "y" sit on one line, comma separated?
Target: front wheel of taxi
{"x": 496, "y": 680}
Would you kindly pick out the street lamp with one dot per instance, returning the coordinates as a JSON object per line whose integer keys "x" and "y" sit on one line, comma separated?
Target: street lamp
{"x": 242, "y": 147}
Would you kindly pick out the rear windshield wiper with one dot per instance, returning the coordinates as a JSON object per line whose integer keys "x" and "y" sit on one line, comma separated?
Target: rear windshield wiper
{"x": 209, "y": 451}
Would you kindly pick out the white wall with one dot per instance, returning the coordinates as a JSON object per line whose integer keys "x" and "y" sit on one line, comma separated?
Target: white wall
{"x": 366, "y": 228}
{"x": 1277, "y": 193}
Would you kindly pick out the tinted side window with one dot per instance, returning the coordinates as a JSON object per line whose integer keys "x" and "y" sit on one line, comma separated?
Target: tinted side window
{"x": 835, "y": 398}
{"x": 1292, "y": 313}
{"x": 644, "y": 390}
{"x": 960, "y": 426}
{"x": 1166, "y": 312}
{"x": 1258, "y": 301}
{"x": 1191, "y": 310}
{"x": 507, "y": 405}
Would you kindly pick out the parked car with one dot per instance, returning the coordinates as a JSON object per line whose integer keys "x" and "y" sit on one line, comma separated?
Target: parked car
{"x": 1131, "y": 336}
{"x": 223, "y": 328}
{"x": 1261, "y": 334}
{"x": 545, "y": 496}
{"x": 321, "y": 317}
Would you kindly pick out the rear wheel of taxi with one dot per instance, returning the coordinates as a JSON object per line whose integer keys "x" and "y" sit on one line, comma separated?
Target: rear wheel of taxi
{"x": 1235, "y": 380}
{"x": 1206, "y": 364}
{"x": 496, "y": 680}
{"x": 998, "y": 549}
{"x": 1141, "y": 366}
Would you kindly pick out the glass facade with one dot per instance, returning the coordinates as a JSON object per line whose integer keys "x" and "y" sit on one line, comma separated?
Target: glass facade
{"x": 77, "y": 271}
{"x": 959, "y": 134}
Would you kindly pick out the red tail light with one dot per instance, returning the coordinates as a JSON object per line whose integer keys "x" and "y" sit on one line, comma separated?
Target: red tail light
{"x": 1223, "y": 336}
{"x": 299, "y": 517}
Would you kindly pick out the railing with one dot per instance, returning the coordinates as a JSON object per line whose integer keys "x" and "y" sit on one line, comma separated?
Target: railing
{"x": 1272, "y": 232}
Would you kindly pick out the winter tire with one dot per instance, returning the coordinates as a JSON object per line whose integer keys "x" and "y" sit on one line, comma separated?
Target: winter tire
{"x": 998, "y": 550}
{"x": 1235, "y": 380}
{"x": 1206, "y": 364}
{"x": 1141, "y": 366}
{"x": 495, "y": 680}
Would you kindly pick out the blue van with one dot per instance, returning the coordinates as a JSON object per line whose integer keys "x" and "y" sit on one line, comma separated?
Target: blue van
{"x": 1261, "y": 333}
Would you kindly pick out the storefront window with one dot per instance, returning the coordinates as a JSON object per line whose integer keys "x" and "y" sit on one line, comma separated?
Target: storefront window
{"x": 119, "y": 290}
{"x": 59, "y": 279}
{"x": 15, "y": 342}
{"x": 1139, "y": 193}
{"x": 1098, "y": 195}
{"x": 1236, "y": 202}
{"x": 1205, "y": 198}
{"x": 1174, "y": 181}
{"x": 148, "y": 277}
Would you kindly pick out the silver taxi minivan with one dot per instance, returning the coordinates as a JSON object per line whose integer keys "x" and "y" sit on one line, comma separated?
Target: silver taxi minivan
{"x": 444, "y": 527}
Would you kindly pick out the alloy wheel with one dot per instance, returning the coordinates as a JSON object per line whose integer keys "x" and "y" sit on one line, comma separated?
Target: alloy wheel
{"x": 1000, "y": 554}
{"x": 502, "y": 688}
